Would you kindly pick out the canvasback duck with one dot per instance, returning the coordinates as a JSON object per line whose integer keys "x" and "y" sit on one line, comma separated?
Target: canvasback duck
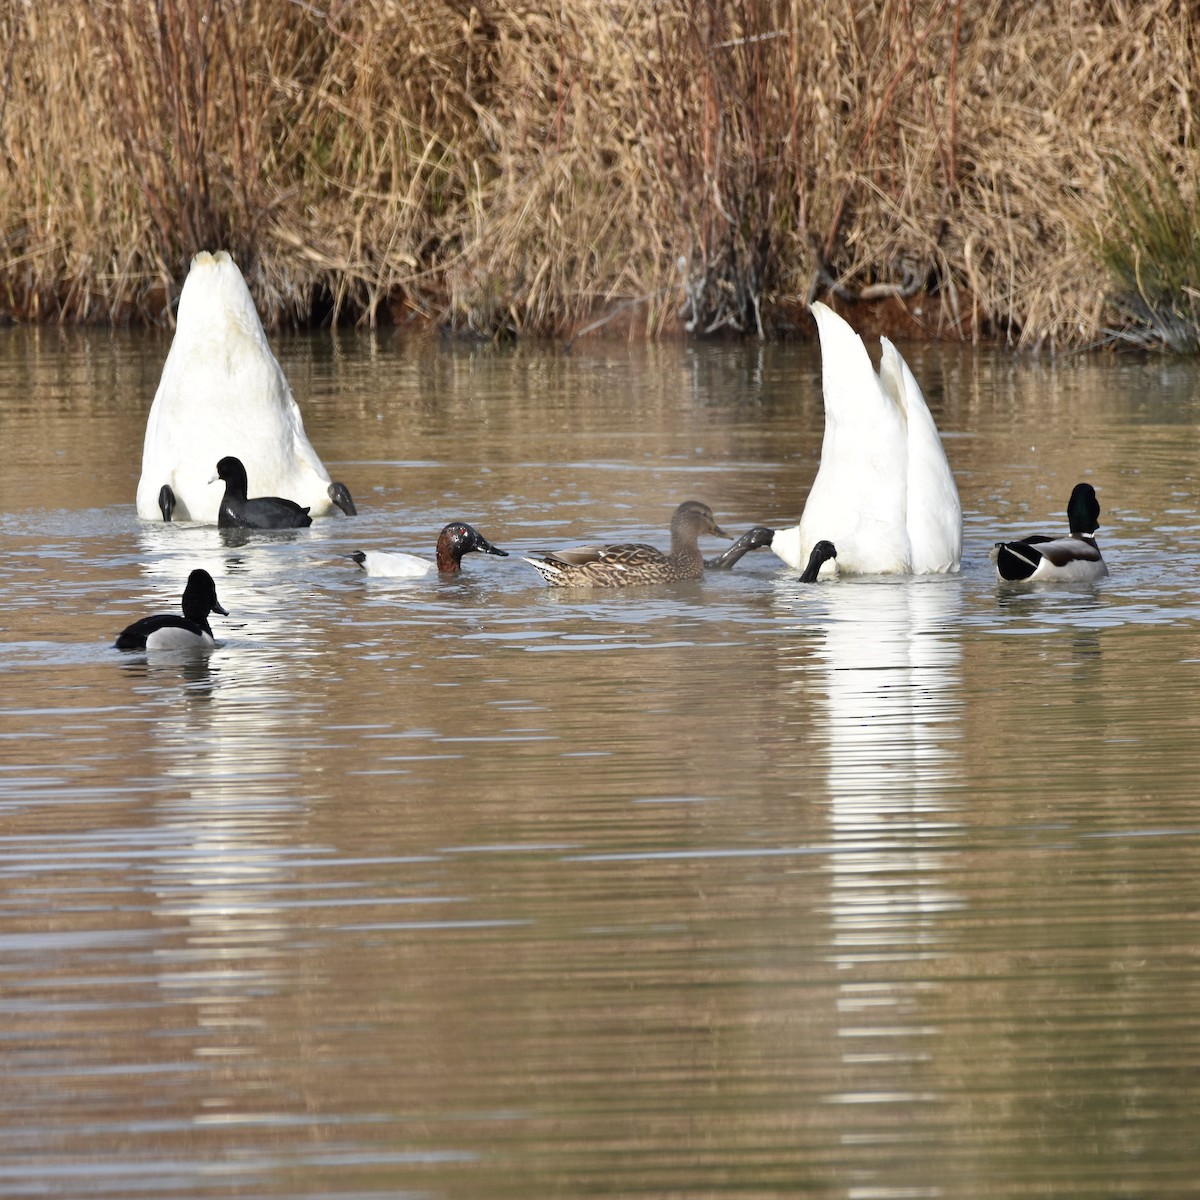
{"x": 222, "y": 389}
{"x": 455, "y": 540}
{"x": 635, "y": 563}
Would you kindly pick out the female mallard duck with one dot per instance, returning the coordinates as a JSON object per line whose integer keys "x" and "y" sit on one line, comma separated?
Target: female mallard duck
{"x": 1072, "y": 559}
{"x": 222, "y": 389}
{"x": 238, "y": 511}
{"x": 455, "y": 540}
{"x": 759, "y": 537}
{"x": 631, "y": 563}
{"x": 169, "y": 631}
{"x": 883, "y": 493}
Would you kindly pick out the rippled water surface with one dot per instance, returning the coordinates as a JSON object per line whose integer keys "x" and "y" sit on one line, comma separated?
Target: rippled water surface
{"x": 463, "y": 888}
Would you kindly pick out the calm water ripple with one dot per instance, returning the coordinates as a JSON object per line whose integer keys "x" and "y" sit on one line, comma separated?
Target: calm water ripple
{"x": 465, "y": 888}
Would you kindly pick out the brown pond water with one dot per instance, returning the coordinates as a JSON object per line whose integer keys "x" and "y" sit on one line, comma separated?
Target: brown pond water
{"x": 466, "y": 889}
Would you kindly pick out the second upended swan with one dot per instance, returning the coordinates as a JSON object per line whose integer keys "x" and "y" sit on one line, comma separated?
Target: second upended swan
{"x": 883, "y": 494}
{"x": 223, "y": 392}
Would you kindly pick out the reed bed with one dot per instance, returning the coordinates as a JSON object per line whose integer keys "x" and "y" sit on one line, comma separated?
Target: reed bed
{"x": 975, "y": 166}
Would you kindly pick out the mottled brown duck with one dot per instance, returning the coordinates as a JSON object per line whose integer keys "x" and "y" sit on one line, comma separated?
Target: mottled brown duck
{"x": 631, "y": 564}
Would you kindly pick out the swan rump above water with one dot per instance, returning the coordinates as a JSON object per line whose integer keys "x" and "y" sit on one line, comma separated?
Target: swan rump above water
{"x": 883, "y": 494}
{"x": 223, "y": 392}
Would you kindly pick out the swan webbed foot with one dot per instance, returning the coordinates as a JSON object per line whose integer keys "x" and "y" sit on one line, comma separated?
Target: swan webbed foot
{"x": 822, "y": 552}
{"x": 752, "y": 539}
{"x": 340, "y": 495}
{"x": 166, "y": 501}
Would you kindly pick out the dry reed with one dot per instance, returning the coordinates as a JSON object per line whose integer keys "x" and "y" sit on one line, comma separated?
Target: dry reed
{"x": 540, "y": 169}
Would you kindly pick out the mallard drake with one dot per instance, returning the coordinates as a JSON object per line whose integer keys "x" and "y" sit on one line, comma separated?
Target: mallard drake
{"x": 455, "y": 540}
{"x": 760, "y": 537}
{"x": 883, "y": 493}
{"x": 237, "y": 511}
{"x": 1072, "y": 559}
{"x": 169, "y": 631}
{"x": 222, "y": 389}
{"x": 633, "y": 563}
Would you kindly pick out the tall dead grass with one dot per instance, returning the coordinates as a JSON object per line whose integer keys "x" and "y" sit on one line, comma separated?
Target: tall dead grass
{"x": 542, "y": 169}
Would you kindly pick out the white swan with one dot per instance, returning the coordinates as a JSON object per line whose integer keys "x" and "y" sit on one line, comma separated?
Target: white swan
{"x": 222, "y": 392}
{"x": 883, "y": 494}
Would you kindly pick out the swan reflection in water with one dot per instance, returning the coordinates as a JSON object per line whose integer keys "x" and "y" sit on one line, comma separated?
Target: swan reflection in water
{"x": 884, "y": 680}
{"x": 884, "y": 685}
{"x": 891, "y": 660}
